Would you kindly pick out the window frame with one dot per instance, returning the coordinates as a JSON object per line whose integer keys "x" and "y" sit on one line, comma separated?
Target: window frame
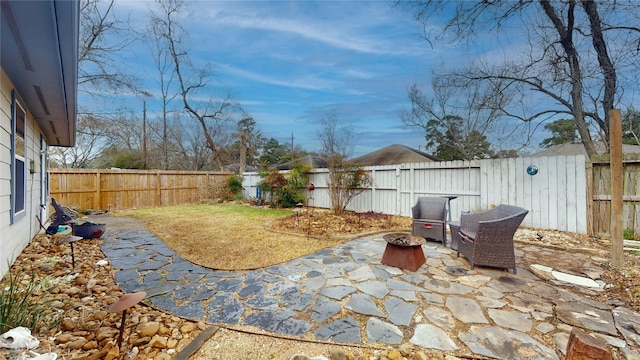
{"x": 44, "y": 177}
{"x": 18, "y": 208}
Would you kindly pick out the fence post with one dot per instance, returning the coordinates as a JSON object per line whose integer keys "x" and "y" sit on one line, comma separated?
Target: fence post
{"x": 373, "y": 189}
{"x": 412, "y": 184}
{"x": 590, "y": 197}
{"x": 398, "y": 191}
{"x": 615, "y": 141}
{"x": 97, "y": 201}
{"x": 158, "y": 194}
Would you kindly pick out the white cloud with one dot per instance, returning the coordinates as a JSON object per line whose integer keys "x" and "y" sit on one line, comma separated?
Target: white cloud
{"x": 351, "y": 26}
{"x": 308, "y": 82}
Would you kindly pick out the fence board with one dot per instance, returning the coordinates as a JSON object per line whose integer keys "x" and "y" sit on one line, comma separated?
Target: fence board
{"x": 484, "y": 187}
{"x": 582, "y": 222}
{"x": 554, "y": 193}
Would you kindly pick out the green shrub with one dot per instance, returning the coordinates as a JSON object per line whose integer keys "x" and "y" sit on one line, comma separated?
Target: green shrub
{"x": 23, "y": 304}
{"x": 285, "y": 190}
{"x": 628, "y": 234}
{"x": 127, "y": 160}
{"x": 234, "y": 188}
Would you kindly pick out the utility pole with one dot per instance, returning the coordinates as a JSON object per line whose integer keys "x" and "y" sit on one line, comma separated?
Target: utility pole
{"x": 144, "y": 134}
{"x": 144, "y": 127}
{"x": 291, "y": 146}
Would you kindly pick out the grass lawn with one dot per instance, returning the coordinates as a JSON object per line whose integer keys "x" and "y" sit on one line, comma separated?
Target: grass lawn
{"x": 226, "y": 236}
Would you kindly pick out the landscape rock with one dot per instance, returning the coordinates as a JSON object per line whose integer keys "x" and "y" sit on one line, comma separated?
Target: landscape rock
{"x": 585, "y": 316}
{"x": 149, "y": 329}
{"x": 583, "y": 346}
{"x": 76, "y": 343}
{"x": 628, "y": 323}
{"x": 106, "y": 333}
{"x": 86, "y": 331}
{"x": 158, "y": 342}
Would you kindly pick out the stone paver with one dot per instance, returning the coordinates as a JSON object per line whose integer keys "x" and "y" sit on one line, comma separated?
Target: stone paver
{"x": 345, "y": 295}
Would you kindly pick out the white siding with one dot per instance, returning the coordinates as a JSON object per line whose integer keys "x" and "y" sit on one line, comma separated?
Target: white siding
{"x": 18, "y": 235}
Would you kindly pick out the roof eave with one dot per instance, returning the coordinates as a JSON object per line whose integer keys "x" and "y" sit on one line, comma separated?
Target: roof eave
{"x": 40, "y": 56}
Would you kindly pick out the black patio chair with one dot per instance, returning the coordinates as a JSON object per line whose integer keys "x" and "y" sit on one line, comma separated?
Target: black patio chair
{"x": 430, "y": 218}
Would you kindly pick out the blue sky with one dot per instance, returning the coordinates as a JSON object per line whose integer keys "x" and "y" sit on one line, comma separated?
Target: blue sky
{"x": 290, "y": 63}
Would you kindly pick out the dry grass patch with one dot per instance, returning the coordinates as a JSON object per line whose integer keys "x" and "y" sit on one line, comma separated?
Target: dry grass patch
{"x": 226, "y": 236}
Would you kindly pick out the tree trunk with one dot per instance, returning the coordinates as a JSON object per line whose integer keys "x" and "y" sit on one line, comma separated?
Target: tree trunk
{"x": 243, "y": 153}
{"x": 608, "y": 70}
{"x": 566, "y": 40}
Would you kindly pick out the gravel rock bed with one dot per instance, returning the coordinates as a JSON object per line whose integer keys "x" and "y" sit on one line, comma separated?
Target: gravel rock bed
{"x": 79, "y": 299}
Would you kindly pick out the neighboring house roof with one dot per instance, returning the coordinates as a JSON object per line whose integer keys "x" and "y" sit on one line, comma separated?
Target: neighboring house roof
{"x": 311, "y": 160}
{"x": 393, "y": 155}
{"x": 578, "y": 149}
{"x": 40, "y": 55}
{"x": 235, "y": 167}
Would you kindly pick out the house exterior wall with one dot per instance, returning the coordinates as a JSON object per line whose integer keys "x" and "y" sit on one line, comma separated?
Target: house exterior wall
{"x": 15, "y": 237}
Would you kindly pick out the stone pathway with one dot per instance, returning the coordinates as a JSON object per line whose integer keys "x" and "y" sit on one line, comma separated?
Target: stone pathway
{"x": 345, "y": 295}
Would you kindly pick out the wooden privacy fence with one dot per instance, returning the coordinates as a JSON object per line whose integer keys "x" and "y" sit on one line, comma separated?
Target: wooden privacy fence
{"x": 601, "y": 194}
{"x": 556, "y": 196}
{"x": 568, "y": 193}
{"x": 128, "y": 189}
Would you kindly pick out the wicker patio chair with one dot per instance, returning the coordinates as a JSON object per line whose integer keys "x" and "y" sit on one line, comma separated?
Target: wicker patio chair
{"x": 487, "y": 237}
{"x": 430, "y": 218}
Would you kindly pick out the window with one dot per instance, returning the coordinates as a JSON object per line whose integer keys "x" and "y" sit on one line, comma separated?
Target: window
{"x": 18, "y": 178}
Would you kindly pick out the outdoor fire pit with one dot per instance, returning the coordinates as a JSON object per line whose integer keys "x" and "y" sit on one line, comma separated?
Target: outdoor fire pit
{"x": 403, "y": 251}
{"x": 88, "y": 230}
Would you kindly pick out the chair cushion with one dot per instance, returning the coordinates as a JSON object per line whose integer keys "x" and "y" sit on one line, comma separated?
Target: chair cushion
{"x": 467, "y": 236}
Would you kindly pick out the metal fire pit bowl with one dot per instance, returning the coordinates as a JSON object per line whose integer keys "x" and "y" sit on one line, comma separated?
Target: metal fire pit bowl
{"x": 89, "y": 230}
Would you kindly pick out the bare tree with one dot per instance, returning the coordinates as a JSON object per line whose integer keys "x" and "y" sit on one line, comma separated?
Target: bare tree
{"x": 122, "y": 145}
{"x": 249, "y": 141}
{"x": 631, "y": 127}
{"x": 102, "y": 38}
{"x": 124, "y": 133}
{"x": 346, "y": 179}
{"x": 193, "y": 153}
{"x": 458, "y": 115}
{"x": 166, "y": 75}
{"x": 215, "y": 116}
{"x": 577, "y": 51}
{"x": 337, "y": 142}
{"x": 90, "y": 135}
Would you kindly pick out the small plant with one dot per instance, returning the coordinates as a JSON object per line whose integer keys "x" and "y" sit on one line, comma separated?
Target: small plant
{"x": 22, "y": 304}
{"x": 233, "y": 190}
{"x": 346, "y": 181}
{"x": 285, "y": 191}
{"x": 628, "y": 234}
